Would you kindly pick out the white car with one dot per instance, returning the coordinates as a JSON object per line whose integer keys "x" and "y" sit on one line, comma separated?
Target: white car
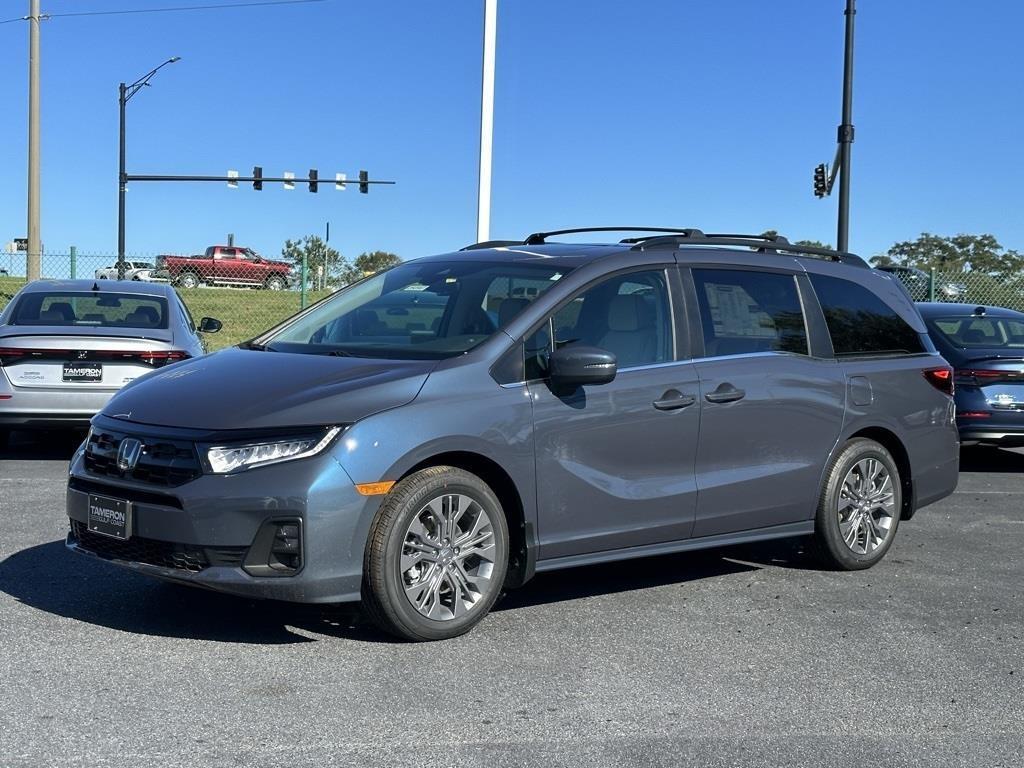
{"x": 133, "y": 270}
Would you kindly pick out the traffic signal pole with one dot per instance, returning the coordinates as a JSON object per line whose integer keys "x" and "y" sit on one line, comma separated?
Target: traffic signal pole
{"x": 845, "y": 136}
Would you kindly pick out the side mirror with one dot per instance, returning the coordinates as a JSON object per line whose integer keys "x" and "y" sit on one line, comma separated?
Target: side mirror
{"x": 210, "y": 325}
{"x": 578, "y": 365}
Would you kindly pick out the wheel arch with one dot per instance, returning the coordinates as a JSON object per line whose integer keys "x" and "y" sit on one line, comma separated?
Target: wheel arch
{"x": 892, "y": 443}
{"x": 522, "y": 541}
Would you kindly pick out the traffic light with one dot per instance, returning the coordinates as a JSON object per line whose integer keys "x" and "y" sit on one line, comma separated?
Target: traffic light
{"x": 257, "y": 178}
{"x": 312, "y": 180}
{"x": 820, "y": 180}
{"x": 364, "y": 177}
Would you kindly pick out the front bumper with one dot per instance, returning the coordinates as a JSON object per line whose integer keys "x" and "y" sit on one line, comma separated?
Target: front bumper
{"x": 202, "y": 532}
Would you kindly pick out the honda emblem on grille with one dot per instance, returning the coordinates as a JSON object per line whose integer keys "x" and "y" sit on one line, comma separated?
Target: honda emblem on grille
{"x": 128, "y": 453}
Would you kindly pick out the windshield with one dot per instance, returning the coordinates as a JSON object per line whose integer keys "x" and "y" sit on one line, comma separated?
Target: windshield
{"x": 426, "y": 310}
{"x": 103, "y": 309}
{"x": 974, "y": 332}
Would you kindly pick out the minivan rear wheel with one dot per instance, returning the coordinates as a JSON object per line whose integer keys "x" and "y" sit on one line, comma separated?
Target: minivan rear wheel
{"x": 859, "y": 507}
{"x": 436, "y": 557}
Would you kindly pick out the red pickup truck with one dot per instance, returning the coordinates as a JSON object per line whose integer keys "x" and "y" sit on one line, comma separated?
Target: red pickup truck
{"x": 227, "y": 265}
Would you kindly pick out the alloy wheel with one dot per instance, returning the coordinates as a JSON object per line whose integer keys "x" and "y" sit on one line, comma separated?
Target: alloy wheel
{"x": 448, "y": 557}
{"x": 867, "y": 506}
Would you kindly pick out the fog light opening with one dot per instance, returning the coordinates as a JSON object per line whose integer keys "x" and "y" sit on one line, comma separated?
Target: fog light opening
{"x": 276, "y": 550}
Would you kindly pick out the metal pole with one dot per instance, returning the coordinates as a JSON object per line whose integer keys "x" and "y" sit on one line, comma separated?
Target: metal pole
{"x": 33, "y": 259}
{"x": 303, "y": 274}
{"x": 122, "y": 187}
{"x": 483, "y": 205}
{"x": 74, "y": 262}
{"x": 846, "y": 134}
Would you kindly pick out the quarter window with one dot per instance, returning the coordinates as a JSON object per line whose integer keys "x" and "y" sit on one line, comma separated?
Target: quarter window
{"x": 746, "y": 311}
{"x": 860, "y": 323}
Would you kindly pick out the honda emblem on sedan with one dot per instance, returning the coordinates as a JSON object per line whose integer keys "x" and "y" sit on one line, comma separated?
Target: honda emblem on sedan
{"x": 128, "y": 453}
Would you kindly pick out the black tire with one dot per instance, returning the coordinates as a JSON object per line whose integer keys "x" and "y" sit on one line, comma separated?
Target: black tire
{"x": 829, "y": 544}
{"x": 384, "y": 586}
{"x": 5, "y": 437}
{"x": 188, "y": 280}
{"x": 274, "y": 283}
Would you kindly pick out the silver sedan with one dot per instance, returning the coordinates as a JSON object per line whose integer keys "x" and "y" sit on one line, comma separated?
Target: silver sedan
{"x": 67, "y": 346}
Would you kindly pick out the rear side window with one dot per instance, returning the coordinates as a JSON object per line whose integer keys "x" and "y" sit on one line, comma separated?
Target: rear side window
{"x": 746, "y": 311}
{"x": 860, "y": 323}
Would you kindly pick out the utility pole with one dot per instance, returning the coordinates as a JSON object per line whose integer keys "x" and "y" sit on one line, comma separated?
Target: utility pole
{"x": 483, "y": 204}
{"x": 845, "y": 136}
{"x": 33, "y": 258}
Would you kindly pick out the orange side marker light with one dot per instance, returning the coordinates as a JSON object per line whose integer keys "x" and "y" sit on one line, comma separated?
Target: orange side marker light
{"x": 374, "y": 489}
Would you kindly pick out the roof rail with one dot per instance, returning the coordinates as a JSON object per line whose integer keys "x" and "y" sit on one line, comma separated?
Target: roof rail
{"x": 539, "y": 238}
{"x": 776, "y": 244}
{"x": 491, "y": 244}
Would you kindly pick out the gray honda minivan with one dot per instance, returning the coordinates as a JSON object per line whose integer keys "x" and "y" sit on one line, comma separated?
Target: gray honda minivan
{"x": 439, "y": 432}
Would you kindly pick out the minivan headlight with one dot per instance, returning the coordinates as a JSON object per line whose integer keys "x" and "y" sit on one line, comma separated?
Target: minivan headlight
{"x": 236, "y": 457}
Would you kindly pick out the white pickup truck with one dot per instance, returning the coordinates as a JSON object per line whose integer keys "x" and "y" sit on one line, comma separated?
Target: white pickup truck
{"x": 133, "y": 270}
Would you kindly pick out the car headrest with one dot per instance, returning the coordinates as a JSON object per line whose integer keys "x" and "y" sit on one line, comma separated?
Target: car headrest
{"x": 626, "y": 313}
{"x": 64, "y": 309}
{"x": 509, "y": 308}
{"x": 144, "y": 317}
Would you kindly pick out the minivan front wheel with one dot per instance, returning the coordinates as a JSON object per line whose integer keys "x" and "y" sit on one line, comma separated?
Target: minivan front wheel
{"x": 859, "y": 508}
{"x": 436, "y": 556}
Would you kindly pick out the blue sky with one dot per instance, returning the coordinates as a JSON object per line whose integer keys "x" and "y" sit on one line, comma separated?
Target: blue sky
{"x": 685, "y": 113}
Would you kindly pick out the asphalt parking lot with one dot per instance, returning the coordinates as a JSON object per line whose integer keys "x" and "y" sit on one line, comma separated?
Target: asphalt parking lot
{"x": 737, "y": 657}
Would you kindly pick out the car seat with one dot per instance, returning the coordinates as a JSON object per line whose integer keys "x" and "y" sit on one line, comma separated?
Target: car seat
{"x": 630, "y": 335}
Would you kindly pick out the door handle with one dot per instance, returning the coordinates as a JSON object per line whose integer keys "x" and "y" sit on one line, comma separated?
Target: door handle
{"x": 725, "y": 393}
{"x": 673, "y": 399}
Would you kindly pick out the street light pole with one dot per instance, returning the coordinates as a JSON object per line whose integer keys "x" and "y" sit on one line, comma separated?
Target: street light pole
{"x": 845, "y": 137}
{"x": 122, "y": 187}
{"x": 33, "y": 260}
{"x": 483, "y": 200}
{"x": 124, "y": 93}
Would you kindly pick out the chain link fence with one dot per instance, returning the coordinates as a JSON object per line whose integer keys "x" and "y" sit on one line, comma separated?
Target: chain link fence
{"x": 249, "y": 293}
{"x": 977, "y": 288}
{"x": 246, "y": 292}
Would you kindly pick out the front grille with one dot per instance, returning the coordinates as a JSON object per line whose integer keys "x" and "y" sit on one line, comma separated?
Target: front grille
{"x": 166, "y": 554}
{"x": 162, "y": 462}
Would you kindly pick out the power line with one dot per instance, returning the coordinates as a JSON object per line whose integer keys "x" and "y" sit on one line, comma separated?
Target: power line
{"x": 167, "y": 10}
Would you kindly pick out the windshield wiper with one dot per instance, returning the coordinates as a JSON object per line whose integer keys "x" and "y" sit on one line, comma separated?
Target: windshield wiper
{"x": 341, "y": 353}
{"x": 252, "y": 345}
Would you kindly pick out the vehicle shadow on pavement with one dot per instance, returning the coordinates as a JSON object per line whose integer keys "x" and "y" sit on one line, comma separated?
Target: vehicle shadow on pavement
{"x": 49, "y": 578}
{"x": 988, "y": 459}
{"x": 42, "y": 446}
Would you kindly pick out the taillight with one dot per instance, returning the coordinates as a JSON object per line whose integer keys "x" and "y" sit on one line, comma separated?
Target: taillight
{"x": 974, "y": 415}
{"x": 940, "y": 378}
{"x": 163, "y": 357}
{"x": 982, "y": 377}
{"x": 156, "y": 358}
{"x": 8, "y": 355}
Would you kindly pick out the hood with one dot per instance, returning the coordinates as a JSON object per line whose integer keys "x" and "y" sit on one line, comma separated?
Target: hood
{"x": 248, "y": 389}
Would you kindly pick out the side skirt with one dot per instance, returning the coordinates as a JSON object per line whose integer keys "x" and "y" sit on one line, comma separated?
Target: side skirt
{"x": 802, "y": 528}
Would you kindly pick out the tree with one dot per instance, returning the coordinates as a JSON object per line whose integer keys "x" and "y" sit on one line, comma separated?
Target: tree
{"x": 322, "y": 261}
{"x": 370, "y": 262}
{"x": 808, "y": 243}
{"x": 959, "y": 253}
